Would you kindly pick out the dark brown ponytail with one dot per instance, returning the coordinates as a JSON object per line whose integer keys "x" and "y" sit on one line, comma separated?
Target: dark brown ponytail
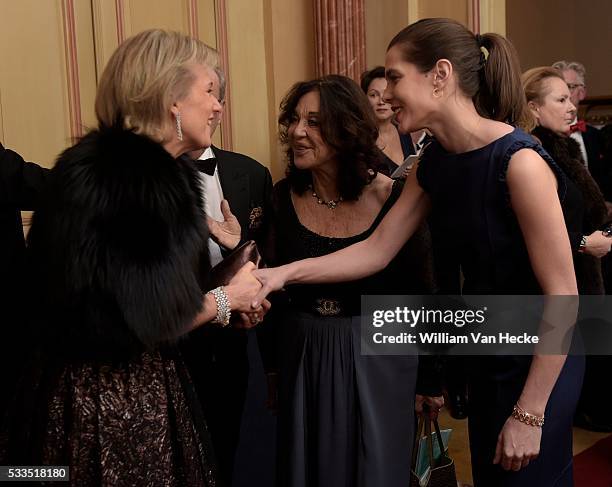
{"x": 487, "y": 66}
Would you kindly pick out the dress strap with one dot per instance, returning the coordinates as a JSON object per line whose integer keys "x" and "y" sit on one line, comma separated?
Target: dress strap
{"x": 521, "y": 140}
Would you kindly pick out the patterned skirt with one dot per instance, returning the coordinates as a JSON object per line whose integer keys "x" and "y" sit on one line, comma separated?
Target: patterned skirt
{"x": 135, "y": 422}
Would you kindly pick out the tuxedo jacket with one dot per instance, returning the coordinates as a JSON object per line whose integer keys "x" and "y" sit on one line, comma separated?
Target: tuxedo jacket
{"x": 594, "y": 149}
{"x": 21, "y": 185}
{"x": 247, "y": 186}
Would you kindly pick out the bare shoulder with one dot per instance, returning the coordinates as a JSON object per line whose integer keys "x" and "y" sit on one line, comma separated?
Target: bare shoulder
{"x": 527, "y": 167}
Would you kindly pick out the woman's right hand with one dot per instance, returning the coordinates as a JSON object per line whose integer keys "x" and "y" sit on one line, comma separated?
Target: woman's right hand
{"x": 243, "y": 289}
{"x": 597, "y": 244}
{"x": 428, "y": 406}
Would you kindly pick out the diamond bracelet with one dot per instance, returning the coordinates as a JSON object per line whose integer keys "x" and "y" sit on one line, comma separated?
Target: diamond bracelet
{"x": 224, "y": 310}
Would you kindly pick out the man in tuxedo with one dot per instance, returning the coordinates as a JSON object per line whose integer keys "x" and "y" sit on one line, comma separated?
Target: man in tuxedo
{"x": 237, "y": 190}
{"x": 20, "y": 186}
{"x": 587, "y": 136}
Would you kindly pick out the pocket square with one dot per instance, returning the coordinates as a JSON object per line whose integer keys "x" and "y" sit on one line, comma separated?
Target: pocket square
{"x": 255, "y": 218}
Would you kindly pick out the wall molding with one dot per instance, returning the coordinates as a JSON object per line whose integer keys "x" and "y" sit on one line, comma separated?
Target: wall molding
{"x": 413, "y": 11}
{"x": 474, "y": 16}
{"x": 192, "y": 19}
{"x": 120, "y": 19}
{"x": 72, "y": 69}
{"x": 222, "y": 49}
{"x": 492, "y": 16}
{"x": 340, "y": 37}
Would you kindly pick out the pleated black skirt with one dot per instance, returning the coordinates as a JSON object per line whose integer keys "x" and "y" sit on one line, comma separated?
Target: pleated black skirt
{"x": 345, "y": 419}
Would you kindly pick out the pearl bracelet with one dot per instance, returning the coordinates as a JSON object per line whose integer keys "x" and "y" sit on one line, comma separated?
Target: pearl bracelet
{"x": 523, "y": 416}
{"x": 224, "y": 310}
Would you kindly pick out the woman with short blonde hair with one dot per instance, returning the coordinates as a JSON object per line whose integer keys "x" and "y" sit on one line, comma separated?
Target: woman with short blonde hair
{"x": 158, "y": 71}
{"x": 119, "y": 248}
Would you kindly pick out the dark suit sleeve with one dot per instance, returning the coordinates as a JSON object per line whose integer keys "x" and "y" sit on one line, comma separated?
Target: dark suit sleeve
{"x": 21, "y": 182}
{"x": 263, "y": 232}
{"x": 262, "y": 188}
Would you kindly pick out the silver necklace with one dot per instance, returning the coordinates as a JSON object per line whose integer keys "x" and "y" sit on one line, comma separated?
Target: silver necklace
{"x": 331, "y": 204}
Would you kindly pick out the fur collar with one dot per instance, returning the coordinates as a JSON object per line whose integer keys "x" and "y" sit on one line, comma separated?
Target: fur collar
{"x": 119, "y": 241}
{"x": 566, "y": 153}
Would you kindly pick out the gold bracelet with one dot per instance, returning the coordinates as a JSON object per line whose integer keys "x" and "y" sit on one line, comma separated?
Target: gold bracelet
{"x": 523, "y": 416}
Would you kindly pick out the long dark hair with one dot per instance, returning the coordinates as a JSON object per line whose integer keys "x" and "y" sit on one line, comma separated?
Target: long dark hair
{"x": 493, "y": 82}
{"x": 347, "y": 125}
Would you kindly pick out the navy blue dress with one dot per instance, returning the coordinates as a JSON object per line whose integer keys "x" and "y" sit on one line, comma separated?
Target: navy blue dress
{"x": 473, "y": 226}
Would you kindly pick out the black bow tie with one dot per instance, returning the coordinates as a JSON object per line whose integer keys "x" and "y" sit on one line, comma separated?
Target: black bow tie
{"x": 207, "y": 165}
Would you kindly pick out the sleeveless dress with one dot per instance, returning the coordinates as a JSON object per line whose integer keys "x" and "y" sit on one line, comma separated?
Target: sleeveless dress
{"x": 473, "y": 226}
{"x": 387, "y": 165}
{"x": 344, "y": 419}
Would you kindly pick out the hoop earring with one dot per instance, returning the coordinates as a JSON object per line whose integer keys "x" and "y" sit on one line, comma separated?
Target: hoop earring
{"x": 437, "y": 93}
{"x": 179, "y": 129}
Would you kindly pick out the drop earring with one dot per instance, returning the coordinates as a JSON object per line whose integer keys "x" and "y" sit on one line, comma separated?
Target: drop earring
{"x": 179, "y": 129}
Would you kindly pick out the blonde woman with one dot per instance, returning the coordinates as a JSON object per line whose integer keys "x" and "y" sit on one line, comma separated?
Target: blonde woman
{"x": 118, "y": 246}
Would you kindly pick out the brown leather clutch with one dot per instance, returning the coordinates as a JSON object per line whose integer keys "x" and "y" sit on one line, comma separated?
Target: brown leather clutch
{"x": 224, "y": 271}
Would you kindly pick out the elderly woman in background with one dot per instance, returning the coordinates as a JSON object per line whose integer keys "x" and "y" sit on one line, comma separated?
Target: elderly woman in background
{"x": 395, "y": 147}
{"x": 548, "y": 98}
{"x": 119, "y": 254}
{"x": 344, "y": 418}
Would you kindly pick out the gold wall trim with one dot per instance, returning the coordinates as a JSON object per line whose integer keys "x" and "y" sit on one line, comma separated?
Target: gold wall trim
{"x": 192, "y": 15}
{"x": 72, "y": 69}
{"x": 120, "y": 18}
{"x": 493, "y": 16}
{"x": 413, "y": 11}
{"x": 221, "y": 25}
{"x": 474, "y": 16}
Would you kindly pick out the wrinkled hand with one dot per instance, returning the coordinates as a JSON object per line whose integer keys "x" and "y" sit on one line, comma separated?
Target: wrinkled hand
{"x": 242, "y": 289}
{"x": 227, "y": 232}
{"x": 434, "y": 404}
{"x": 271, "y": 279}
{"x": 517, "y": 445}
{"x": 254, "y": 317}
{"x": 597, "y": 244}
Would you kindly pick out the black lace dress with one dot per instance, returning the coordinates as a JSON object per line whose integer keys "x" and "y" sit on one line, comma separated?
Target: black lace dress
{"x": 345, "y": 419}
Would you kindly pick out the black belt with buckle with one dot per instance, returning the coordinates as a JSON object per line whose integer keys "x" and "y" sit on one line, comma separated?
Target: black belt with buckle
{"x": 328, "y": 306}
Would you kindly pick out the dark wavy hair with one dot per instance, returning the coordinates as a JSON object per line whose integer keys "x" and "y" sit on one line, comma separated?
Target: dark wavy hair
{"x": 368, "y": 76}
{"x": 347, "y": 126}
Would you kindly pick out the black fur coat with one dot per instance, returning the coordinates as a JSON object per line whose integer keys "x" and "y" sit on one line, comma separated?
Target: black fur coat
{"x": 117, "y": 246}
{"x": 566, "y": 153}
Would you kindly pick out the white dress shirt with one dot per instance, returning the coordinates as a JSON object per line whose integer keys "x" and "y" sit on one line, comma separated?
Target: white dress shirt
{"x": 577, "y": 136}
{"x": 213, "y": 195}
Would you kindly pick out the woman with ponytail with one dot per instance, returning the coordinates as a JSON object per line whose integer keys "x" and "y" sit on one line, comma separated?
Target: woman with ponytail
{"x": 494, "y": 199}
